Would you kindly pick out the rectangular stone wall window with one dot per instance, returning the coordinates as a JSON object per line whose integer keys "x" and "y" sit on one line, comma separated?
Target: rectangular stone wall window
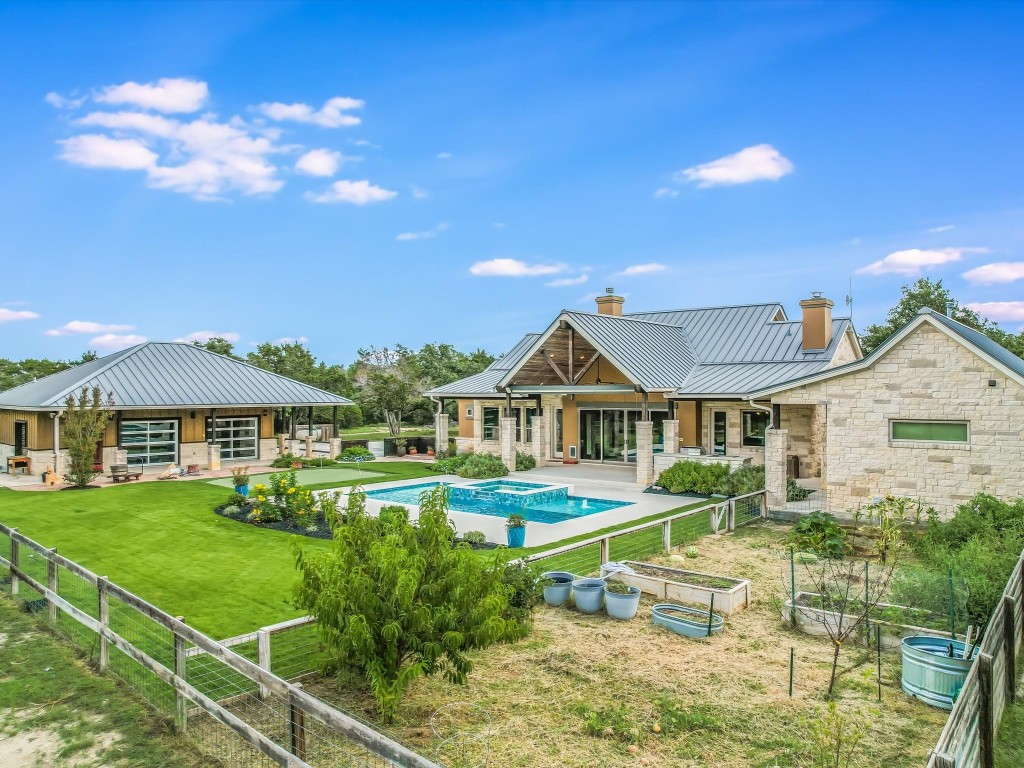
{"x": 491, "y": 427}
{"x": 930, "y": 431}
{"x": 754, "y": 425}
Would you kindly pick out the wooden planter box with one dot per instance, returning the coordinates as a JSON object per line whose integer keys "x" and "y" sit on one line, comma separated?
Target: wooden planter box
{"x": 812, "y": 622}
{"x": 672, "y": 585}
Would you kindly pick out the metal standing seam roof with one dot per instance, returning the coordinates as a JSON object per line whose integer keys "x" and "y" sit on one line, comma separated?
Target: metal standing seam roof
{"x": 169, "y": 375}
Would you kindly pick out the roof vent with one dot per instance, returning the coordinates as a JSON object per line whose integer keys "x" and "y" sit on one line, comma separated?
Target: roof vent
{"x": 609, "y": 303}
{"x": 950, "y": 306}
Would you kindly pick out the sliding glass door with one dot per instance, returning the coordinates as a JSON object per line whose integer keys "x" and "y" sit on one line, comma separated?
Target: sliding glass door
{"x": 610, "y": 434}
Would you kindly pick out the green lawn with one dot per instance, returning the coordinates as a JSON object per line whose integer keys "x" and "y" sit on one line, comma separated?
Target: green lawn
{"x": 380, "y": 431}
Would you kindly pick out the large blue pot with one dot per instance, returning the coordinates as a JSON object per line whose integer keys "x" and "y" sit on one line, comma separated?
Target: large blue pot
{"x": 558, "y": 593}
{"x": 622, "y": 606}
{"x": 930, "y": 673}
{"x": 242, "y": 489}
{"x": 516, "y": 536}
{"x": 589, "y": 594}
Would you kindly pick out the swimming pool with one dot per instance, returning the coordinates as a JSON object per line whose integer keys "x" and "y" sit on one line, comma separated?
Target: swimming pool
{"x": 547, "y": 504}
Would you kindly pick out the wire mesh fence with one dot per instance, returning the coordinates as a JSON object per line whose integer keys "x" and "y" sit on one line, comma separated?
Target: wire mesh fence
{"x": 226, "y": 699}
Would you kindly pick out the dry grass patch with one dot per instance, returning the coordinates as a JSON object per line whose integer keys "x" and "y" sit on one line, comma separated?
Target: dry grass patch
{"x": 582, "y": 690}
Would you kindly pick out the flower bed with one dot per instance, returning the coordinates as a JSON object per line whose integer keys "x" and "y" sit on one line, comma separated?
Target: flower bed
{"x": 676, "y": 584}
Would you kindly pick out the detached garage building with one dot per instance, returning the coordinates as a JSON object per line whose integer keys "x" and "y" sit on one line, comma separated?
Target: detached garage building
{"x": 173, "y": 402}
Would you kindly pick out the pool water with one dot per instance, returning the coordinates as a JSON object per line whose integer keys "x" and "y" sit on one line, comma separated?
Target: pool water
{"x": 507, "y": 486}
{"x": 542, "y": 509}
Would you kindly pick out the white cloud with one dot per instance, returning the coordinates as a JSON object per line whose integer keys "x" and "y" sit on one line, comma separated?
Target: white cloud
{"x": 291, "y": 340}
{"x": 209, "y": 158}
{"x": 425, "y": 234}
{"x": 87, "y": 326}
{"x": 757, "y": 163}
{"x": 999, "y": 310}
{"x": 333, "y": 114}
{"x": 514, "y": 268}
{"x": 913, "y": 260}
{"x": 354, "y": 192}
{"x": 943, "y": 228}
{"x": 665, "y": 192}
{"x": 641, "y": 269}
{"x": 11, "y": 315}
{"x": 444, "y": 155}
{"x": 204, "y": 336}
{"x": 365, "y": 143}
{"x": 94, "y": 150}
{"x": 566, "y": 281}
{"x": 64, "y": 102}
{"x": 168, "y": 94}
{"x": 999, "y": 272}
{"x": 420, "y": 193}
{"x": 319, "y": 162}
{"x": 114, "y": 341}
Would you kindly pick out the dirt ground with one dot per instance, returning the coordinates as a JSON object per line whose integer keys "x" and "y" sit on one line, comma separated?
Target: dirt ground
{"x": 728, "y": 695}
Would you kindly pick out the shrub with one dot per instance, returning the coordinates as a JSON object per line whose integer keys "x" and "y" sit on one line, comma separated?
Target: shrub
{"x": 820, "y": 533}
{"x": 474, "y": 538}
{"x": 230, "y": 509}
{"x": 694, "y": 477}
{"x": 524, "y": 591}
{"x": 794, "y": 492}
{"x": 237, "y": 500}
{"x": 327, "y": 505}
{"x": 524, "y": 461}
{"x": 747, "y": 479}
{"x": 480, "y": 466}
{"x": 396, "y": 601}
{"x": 356, "y": 453}
{"x": 450, "y": 465}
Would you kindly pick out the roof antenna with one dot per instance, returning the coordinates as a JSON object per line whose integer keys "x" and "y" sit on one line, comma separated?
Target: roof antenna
{"x": 849, "y": 299}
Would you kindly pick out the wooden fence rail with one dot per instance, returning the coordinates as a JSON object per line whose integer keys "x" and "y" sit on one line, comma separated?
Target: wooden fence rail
{"x": 338, "y": 732}
{"x": 968, "y": 738}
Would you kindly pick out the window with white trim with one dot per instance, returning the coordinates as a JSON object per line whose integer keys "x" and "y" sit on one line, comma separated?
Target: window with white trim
{"x": 930, "y": 431}
{"x": 238, "y": 437}
{"x": 150, "y": 442}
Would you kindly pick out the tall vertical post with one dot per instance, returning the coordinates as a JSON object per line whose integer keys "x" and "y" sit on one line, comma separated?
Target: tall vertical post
{"x": 180, "y": 702}
{"x": 666, "y": 535}
{"x": 730, "y": 516}
{"x": 263, "y": 657}
{"x": 104, "y": 616}
{"x": 606, "y": 546}
{"x": 15, "y": 563}
{"x": 792, "y": 662}
{"x": 440, "y": 432}
{"x": 298, "y": 728}
{"x": 334, "y": 422}
{"x": 878, "y": 652}
{"x": 644, "y": 452}
{"x": 1010, "y": 641}
{"x": 792, "y": 586}
{"x": 986, "y": 730}
{"x": 51, "y": 584}
{"x": 507, "y": 435}
{"x": 309, "y": 426}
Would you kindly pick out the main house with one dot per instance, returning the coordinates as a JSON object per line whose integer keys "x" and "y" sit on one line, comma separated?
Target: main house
{"x": 172, "y": 402}
{"x": 745, "y": 384}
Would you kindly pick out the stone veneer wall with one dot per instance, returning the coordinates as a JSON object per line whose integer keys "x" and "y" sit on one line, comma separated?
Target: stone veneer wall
{"x": 845, "y": 353}
{"x": 927, "y": 376}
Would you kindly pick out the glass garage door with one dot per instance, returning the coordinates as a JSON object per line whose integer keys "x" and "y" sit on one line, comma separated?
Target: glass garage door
{"x": 238, "y": 437}
{"x": 150, "y": 442}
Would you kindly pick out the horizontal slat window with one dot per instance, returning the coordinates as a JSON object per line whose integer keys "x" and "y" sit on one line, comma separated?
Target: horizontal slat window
{"x": 930, "y": 431}
{"x": 150, "y": 442}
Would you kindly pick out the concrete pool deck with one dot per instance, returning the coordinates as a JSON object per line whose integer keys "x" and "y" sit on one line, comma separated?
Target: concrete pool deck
{"x": 592, "y": 485}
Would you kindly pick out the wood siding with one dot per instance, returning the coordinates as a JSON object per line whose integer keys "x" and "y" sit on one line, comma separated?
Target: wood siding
{"x": 40, "y": 429}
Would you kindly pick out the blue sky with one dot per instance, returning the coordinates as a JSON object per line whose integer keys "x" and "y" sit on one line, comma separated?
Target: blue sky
{"x": 380, "y": 173}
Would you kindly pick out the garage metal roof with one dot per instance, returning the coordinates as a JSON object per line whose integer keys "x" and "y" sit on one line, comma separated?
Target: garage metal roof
{"x": 169, "y": 375}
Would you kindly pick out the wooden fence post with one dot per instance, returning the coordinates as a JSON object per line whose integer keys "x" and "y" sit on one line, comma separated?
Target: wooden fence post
{"x": 298, "y": 727}
{"x": 730, "y": 516}
{"x": 1010, "y": 641}
{"x": 263, "y": 657}
{"x": 605, "y": 550}
{"x": 666, "y": 535}
{"x": 943, "y": 760}
{"x": 104, "y": 617}
{"x": 51, "y": 584}
{"x": 764, "y": 504}
{"x": 15, "y": 563}
{"x": 986, "y": 731}
{"x": 180, "y": 670}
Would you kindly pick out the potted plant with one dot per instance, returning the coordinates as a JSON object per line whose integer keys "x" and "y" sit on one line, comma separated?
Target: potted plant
{"x": 621, "y": 600}
{"x": 400, "y": 446}
{"x": 557, "y": 586}
{"x": 413, "y": 451}
{"x": 240, "y": 478}
{"x": 515, "y": 529}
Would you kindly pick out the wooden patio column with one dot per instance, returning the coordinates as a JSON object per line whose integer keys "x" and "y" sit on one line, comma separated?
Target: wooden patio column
{"x": 334, "y": 421}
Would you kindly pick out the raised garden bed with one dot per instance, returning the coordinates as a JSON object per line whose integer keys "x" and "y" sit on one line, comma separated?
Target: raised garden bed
{"x": 678, "y": 585}
{"x": 811, "y": 619}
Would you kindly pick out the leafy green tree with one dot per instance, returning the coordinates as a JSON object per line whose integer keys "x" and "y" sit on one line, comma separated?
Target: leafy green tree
{"x": 932, "y": 294}
{"x": 294, "y": 360}
{"x": 85, "y": 420}
{"x": 395, "y": 601}
{"x": 439, "y": 364}
{"x": 392, "y": 395}
{"x": 218, "y": 345}
{"x": 16, "y": 372}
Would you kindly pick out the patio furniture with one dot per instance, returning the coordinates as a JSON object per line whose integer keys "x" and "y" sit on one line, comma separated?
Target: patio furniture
{"x": 120, "y": 473}
{"x": 13, "y": 462}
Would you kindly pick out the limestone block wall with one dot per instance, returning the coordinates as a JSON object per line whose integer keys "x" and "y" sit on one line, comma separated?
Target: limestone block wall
{"x": 845, "y": 353}
{"x": 928, "y": 376}
{"x": 734, "y": 437}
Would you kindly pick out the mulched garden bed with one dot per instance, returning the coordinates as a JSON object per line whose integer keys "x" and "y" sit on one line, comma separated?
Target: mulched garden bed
{"x": 657, "y": 490}
{"x": 314, "y": 529}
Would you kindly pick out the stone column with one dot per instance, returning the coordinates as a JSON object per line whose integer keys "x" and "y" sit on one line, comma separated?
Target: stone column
{"x": 478, "y": 424}
{"x": 282, "y": 444}
{"x": 776, "y": 443}
{"x": 508, "y": 441}
{"x": 335, "y": 450}
{"x": 120, "y": 456}
{"x": 441, "y": 432}
{"x": 671, "y": 427}
{"x": 540, "y": 445}
{"x": 213, "y": 456}
{"x": 644, "y": 453}
{"x": 309, "y": 446}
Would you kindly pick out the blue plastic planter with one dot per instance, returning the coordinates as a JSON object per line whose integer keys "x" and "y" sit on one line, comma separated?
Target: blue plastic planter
{"x": 622, "y": 606}
{"x": 589, "y": 594}
{"x": 558, "y": 593}
{"x": 516, "y": 536}
{"x": 930, "y": 673}
{"x": 242, "y": 489}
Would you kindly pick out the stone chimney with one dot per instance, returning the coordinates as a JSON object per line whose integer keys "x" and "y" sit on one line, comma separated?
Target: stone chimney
{"x": 817, "y": 322}
{"x": 610, "y": 304}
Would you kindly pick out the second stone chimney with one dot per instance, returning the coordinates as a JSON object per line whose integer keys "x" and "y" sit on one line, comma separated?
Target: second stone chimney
{"x": 817, "y": 322}
{"x": 609, "y": 303}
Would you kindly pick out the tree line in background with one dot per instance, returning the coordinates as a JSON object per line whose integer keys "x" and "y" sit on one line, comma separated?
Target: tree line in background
{"x": 387, "y": 383}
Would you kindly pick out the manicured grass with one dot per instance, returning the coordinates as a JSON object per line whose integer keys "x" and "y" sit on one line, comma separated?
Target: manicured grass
{"x": 72, "y": 715}
{"x": 380, "y": 431}
{"x": 359, "y": 473}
